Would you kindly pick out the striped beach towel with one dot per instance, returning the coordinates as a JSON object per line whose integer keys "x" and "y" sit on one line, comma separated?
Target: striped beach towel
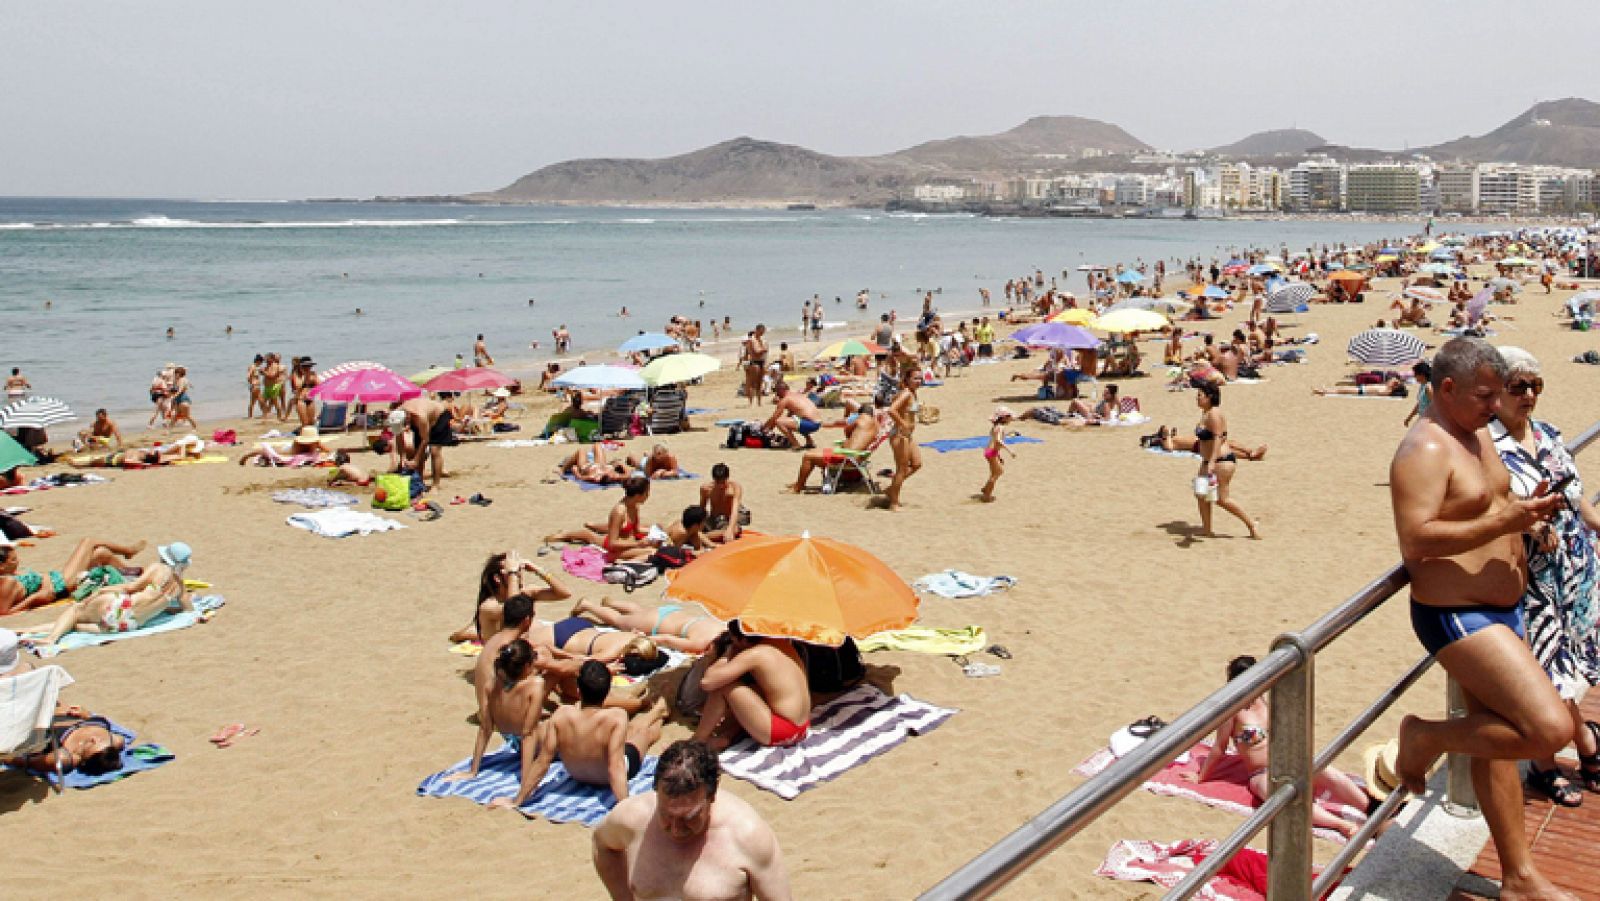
{"x": 559, "y": 797}
{"x": 845, "y": 733}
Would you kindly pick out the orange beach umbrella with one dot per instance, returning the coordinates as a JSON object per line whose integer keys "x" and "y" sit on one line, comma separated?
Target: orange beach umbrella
{"x": 814, "y": 589}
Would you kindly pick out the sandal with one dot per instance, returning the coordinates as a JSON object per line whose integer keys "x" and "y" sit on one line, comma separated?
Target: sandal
{"x": 1545, "y": 782}
{"x": 1589, "y": 764}
{"x": 1146, "y": 727}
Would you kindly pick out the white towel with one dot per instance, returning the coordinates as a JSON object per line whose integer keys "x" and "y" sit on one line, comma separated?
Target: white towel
{"x": 27, "y": 705}
{"x": 340, "y": 522}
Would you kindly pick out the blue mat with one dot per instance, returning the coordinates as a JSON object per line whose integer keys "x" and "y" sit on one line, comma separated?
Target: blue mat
{"x": 559, "y": 797}
{"x": 590, "y": 486}
{"x": 976, "y": 442}
{"x": 135, "y": 759}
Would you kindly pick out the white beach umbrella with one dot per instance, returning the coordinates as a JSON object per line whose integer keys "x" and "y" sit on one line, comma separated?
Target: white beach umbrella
{"x": 1386, "y": 347}
{"x": 35, "y": 413}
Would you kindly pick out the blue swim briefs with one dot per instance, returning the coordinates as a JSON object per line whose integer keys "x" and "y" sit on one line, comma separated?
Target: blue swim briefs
{"x": 1437, "y": 627}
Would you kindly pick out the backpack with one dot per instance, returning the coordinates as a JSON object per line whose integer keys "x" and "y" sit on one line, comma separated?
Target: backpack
{"x": 832, "y": 669}
{"x": 391, "y": 491}
{"x": 672, "y": 556}
{"x": 629, "y": 574}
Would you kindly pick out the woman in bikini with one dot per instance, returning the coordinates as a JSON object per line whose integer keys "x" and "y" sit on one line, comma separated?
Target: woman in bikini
{"x": 180, "y": 399}
{"x": 306, "y": 449}
{"x": 125, "y": 608}
{"x": 502, "y": 579}
{"x": 1216, "y": 466}
{"x": 82, "y": 743}
{"x": 305, "y": 404}
{"x": 252, "y": 381}
{"x": 623, "y": 535}
{"x": 903, "y": 417}
{"x": 1247, "y": 731}
{"x": 669, "y": 625}
{"x": 1392, "y": 386}
{"x": 589, "y": 464}
{"x": 22, "y": 590}
{"x": 755, "y": 364}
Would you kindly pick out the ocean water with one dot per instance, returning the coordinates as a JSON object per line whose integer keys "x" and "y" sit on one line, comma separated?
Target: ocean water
{"x": 289, "y": 276}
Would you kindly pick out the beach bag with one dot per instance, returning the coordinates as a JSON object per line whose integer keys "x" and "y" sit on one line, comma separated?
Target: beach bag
{"x": 629, "y": 574}
{"x": 672, "y": 556}
{"x": 391, "y": 492}
{"x": 225, "y": 436}
{"x": 832, "y": 669}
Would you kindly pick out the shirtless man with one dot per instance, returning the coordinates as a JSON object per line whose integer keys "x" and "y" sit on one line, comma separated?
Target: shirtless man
{"x": 429, "y": 422}
{"x": 480, "y": 353}
{"x": 690, "y": 531}
{"x": 723, "y": 502}
{"x": 683, "y": 840}
{"x": 775, "y": 711}
{"x": 1461, "y": 537}
{"x": 102, "y": 432}
{"x": 860, "y": 430}
{"x": 794, "y": 413}
{"x": 660, "y": 464}
{"x": 597, "y": 744}
{"x": 272, "y": 396}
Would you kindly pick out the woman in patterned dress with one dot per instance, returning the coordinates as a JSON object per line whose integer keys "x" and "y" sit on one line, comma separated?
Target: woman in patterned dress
{"x": 1561, "y": 602}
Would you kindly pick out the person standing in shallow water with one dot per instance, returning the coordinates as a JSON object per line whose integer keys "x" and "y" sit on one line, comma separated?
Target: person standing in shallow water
{"x": 1461, "y": 533}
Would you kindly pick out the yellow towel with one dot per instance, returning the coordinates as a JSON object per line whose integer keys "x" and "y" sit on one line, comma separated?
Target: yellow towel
{"x": 950, "y": 642}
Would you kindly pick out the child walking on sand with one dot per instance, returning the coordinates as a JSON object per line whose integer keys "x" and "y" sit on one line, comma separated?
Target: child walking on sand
{"x": 997, "y": 444}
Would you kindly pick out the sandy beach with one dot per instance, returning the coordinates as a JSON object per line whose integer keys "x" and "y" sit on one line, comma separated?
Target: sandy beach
{"x": 336, "y": 649}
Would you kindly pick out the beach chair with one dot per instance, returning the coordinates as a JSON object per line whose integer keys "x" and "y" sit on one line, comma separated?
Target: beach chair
{"x": 333, "y": 418}
{"x": 666, "y": 412}
{"x": 858, "y": 461}
{"x": 1128, "y": 406}
{"x": 27, "y": 709}
{"x": 616, "y": 416}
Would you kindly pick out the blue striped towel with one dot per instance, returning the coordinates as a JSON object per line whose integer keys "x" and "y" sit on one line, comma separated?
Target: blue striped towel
{"x": 845, "y": 733}
{"x": 559, "y": 797}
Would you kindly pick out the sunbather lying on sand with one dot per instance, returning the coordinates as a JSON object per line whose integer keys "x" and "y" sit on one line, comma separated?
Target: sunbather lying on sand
{"x": 25, "y": 589}
{"x": 306, "y": 449}
{"x": 1393, "y": 387}
{"x": 659, "y": 464}
{"x": 81, "y": 743}
{"x": 589, "y": 464}
{"x": 1170, "y": 439}
{"x": 348, "y": 473}
{"x": 191, "y": 447}
{"x": 124, "y": 608}
{"x": 674, "y": 626}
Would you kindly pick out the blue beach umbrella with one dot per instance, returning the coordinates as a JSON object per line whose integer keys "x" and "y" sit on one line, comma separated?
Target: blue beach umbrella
{"x": 600, "y": 377}
{"x": 647, "y": 341}
{"x": 1130, "y": 277}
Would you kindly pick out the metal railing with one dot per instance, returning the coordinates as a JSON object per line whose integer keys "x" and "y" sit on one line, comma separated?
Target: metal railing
{"x": 1289, "y": 673}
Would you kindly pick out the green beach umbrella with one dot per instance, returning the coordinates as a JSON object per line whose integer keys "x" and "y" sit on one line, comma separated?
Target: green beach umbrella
{"x": 13, "y": 454}
{"x": 429, "y": 374}
{"x": 672, "y": 369}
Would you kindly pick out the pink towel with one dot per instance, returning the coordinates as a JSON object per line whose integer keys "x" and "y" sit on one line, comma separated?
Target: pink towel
{"x": 1167, "y": 864}
{"x": 587, "y": 562}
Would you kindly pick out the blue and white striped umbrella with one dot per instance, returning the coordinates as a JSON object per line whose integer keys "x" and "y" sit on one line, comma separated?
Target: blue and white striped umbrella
{"x": 35, "y": 413}
{"x": 1386, "y": 347}
{"x": 1289, "y": 297}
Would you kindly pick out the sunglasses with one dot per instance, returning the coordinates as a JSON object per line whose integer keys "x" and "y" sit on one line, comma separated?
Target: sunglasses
{"x": 1523, "y": 386}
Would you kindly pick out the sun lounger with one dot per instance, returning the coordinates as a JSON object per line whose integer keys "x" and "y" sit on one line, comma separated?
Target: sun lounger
{"x": 333, "y": 418}
{"x": 616, "y": 416}
{"x": 666, "y": 412}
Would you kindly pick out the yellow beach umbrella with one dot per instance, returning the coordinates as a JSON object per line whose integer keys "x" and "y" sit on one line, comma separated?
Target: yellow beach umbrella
{"x": 1074, "y": 316}
{"x": 1130, "y": 321}
{"x": 1385, "y": 258}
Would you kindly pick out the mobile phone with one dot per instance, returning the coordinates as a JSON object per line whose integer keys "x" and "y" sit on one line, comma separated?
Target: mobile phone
{"x": 1560, "y": 486}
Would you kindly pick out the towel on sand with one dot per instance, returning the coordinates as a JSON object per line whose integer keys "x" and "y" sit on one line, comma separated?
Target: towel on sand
{"x": 953, "y": 583}
{"x": 45, "y": 483}
{"x": 204, "y": 608}
{"x": 976, "y": 442}
{"x": 1167, "y": 864}
{"x": 591, "y": 486}
{"x": 845, "y": 732}
{"x": 1228, "y": 788}
{"x": 923, "y": 640}
{"x": 518, "y": 442}
{"x": 1157, "y": 449}
{"x": 585, "y": 562}
{"x": 340, "y": 522}
{"x": 135, "y": 759}
{"x": 314, "y": 497}
{"x": 559, "y": 797}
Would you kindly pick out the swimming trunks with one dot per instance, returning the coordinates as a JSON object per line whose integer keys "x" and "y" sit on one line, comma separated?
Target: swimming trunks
{"x": 441, "y": 434}
{"x": 807, "y": 426}
{"x": 635, "y": 759}
{"x": 565, "y": 629}
{"x": 785, "y": 733}
{"x": 1438, "y": 627}
{"x": 271, "y": 392}
{"x": 118, "y": 616}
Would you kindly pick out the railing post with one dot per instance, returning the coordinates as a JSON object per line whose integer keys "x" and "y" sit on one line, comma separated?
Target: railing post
{"x": 1461, "y": 799}
{"x": 1292, "y": 747}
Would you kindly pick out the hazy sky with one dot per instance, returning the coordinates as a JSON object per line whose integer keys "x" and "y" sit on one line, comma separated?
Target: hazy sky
{"x": 297, "y": 98}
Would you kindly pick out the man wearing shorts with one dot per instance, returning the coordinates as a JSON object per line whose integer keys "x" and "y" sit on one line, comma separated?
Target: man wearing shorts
{"x": 794, "y": 415}
{"x": 860, "y": 430}
{"x": 1461, "y": 537}
{"x": 429, "y": 422}
{"x": 597, "y": 744}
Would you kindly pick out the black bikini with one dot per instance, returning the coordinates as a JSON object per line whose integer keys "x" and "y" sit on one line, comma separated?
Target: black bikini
{"x": 1201, "y": 433}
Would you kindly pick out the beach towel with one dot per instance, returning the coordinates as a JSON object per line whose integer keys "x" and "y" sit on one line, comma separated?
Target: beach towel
{"x": 953, "y": 583}
{"x": 845, "y": 733}
{"x": 314, "y": 497}
{"x": 207, "y": 458}
{"x": 135, "y": 759}
{"x": 591, "y": 486}
{"x": 205, "y": 607}
{"x": 586, "y": 562}
{"x": 559, "y": 797}
{"x": 45, "y": 483}
{"x": 1228, "y": 788}
{"x": 1167, "y": 864}
{"x": 1158, "y": 449}
{"x": 976, "y": 442}
{"x": 340, "y": 522}
{"x": 517, "y": 442}
{"x": 922, "y": 640}
{"x": 700, "y": 411}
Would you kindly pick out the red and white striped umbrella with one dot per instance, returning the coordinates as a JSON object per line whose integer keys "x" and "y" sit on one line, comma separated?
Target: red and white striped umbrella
{"x": 1427, "y": 295}
{"x": 352, "y": 366}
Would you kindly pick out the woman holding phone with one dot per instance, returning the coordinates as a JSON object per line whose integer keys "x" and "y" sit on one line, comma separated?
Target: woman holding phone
{"x": 1560, "y": 604}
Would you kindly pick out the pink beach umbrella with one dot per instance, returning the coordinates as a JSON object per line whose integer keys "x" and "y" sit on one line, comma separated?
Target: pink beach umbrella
{"x": 475, "y": 378}
{"x": 366, "y": 386}
{"x": 351, "y": 366}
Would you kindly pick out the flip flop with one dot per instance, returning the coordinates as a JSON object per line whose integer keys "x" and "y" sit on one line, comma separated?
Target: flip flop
{"x": 480, "y": 500}
{"x": 999, "y": 650}
{"x": 457, "y": 500}
{"x": 226, "y": 734}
